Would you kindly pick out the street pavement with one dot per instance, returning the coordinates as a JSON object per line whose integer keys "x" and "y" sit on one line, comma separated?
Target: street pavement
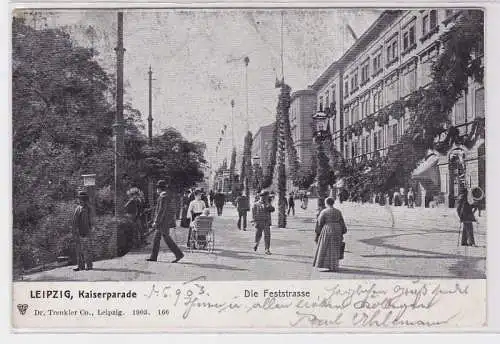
{"x": 423, "y": 243}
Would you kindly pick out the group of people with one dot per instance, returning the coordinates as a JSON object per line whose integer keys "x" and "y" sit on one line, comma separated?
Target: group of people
{"x": 330, "y": 225}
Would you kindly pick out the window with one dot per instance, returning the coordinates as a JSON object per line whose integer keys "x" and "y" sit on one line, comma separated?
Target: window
{"x": 391, "y": 89}
{"x": 365, "y": 70}
{"x": 327, "y": 99}
{"x": 355, "y": 113}
{"x": 321, "y": 104}
{"x": 429, "y": 23}
{"x": 460, "y": 111}
{"x": 333, "y": 96}
{"x": 433, "y": 19}
{"x": 409, "y": 79}
{"x": 365, "y": 106}
{"x": 392, "y": 51}
{"x": 346, "y": 89}
{"x": 354, "y": 82}
{"x": 393, "y": 133}
{"x": 355, "y": 149}
{"x": 377, "y": 99}
{"x": 409, "y": 38}
{"x": 377, "y": 140}
{"x": 425, "y": 25}
{"x": 346, "y": 117}
{"x": 426, "y": 61}
{"x": 479, "y": 103}
{"x": 363, "y": 145}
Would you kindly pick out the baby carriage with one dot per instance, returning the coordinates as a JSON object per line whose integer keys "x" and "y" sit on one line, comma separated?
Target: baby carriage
{"x": 202, "y": 235}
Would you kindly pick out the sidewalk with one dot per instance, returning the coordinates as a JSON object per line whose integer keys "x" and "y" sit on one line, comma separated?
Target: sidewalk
{"x": 422, "y": 244}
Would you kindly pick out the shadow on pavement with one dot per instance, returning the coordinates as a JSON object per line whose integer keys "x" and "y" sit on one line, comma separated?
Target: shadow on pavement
{"x": 124, "y": 270}
{"x": 344, "y": 270}
{"x": 213, "y": 266}
{"x": 466, "y": 268}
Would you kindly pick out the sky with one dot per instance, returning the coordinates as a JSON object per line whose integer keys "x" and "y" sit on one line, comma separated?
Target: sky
{"x": 197, "y": 59}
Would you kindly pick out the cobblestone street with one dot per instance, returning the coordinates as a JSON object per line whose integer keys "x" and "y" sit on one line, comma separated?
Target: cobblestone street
{"x": 422, "y": 244}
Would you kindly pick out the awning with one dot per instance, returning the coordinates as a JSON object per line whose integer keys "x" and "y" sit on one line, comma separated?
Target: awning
{"x": 428, "y": 170}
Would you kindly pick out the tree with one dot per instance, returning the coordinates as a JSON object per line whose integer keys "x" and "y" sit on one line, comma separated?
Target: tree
{"x": 246, "y": 164}
{"x": 176, "y": 159}
{"x": 62, "y": 128}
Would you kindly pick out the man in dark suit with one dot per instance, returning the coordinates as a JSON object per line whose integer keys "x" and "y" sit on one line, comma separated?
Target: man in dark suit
{"x": 219, "y": 200}
{"x": 243, "y": 206}
{"x": 164, "y": 219}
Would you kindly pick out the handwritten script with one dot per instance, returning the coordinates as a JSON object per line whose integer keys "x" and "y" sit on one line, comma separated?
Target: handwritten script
{"x": 334, "y": 304}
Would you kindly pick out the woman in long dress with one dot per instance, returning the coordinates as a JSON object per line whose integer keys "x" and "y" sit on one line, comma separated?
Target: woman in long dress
{"x": 330, "y": 229}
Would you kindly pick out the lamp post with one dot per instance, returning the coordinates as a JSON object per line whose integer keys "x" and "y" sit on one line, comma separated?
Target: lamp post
{"x": 321, "y": 135}
{"x": 89, "y": 185}
{"x": 257, "y": 175}
{"x": 232, "y": 122}
{"x": 247, "y": 61}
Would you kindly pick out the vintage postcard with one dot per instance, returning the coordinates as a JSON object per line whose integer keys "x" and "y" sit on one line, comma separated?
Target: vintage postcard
{"x": 228, "y": 169}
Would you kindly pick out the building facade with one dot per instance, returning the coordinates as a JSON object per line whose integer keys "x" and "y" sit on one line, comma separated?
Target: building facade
{"x": 302, "y": 109}
{"x": 261, "y": 146}
{"x": 392, "y": 59}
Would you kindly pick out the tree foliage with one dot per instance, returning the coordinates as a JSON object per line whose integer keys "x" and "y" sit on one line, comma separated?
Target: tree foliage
{"x": 62, "y": 120}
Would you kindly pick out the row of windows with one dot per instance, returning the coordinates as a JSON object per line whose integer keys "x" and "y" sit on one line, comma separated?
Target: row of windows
{"x": 389, "y": 135}
{"x": 382, "y": 138}
{"x": 388, "y": 91}
{"x": 429, "y": 26}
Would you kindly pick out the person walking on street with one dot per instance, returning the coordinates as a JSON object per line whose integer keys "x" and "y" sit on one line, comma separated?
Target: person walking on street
{"x": 164, "y": 219}
{"x": 82, "y": 230}
{"x": 321, "y": 206}
{"x": 134, "y": 209}
{"x": 305, "y": 200}
{"x": 330, "y": 230}
{"x": 211, "y": 195}
{"x": 195, "y": 209}
{"x": 291, "y": 203}
{"x": 219, "y": 200}
{"x": 411, "y": 198}
{"x": 185, "y": 219}
{"x": 261, "y": 217}
{"x": 466, "y": 215}
{"x": 243, "y": 206}
{"x": 204, "y": 198}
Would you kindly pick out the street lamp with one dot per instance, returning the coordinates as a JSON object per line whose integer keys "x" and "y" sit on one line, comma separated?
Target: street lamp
{"x": 232, "y": 122}
{"x": 88, "y": 179}
{"x": 321, "y": 125}
{"x": 247, "y": 61}
{"x": 321, "y": 134}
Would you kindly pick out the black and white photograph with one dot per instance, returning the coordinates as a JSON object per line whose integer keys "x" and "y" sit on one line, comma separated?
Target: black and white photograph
{"x": 248, "y": 144}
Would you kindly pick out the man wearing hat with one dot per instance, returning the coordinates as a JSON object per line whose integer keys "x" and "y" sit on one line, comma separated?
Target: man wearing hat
{"x": 164, "y": 219}
{"x": 82, "y": 224}
{"x": 467, "y": 218}
{"x": 261, "y": 217}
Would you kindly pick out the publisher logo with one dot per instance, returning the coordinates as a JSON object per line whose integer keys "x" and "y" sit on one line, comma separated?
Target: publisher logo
{"x": 22, "y": 307}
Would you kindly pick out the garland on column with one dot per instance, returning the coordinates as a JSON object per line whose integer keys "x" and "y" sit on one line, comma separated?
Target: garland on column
{"x": 232, "y": 167}
{"x": 246, "y": 164}
{"x": 282, "y": 111}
